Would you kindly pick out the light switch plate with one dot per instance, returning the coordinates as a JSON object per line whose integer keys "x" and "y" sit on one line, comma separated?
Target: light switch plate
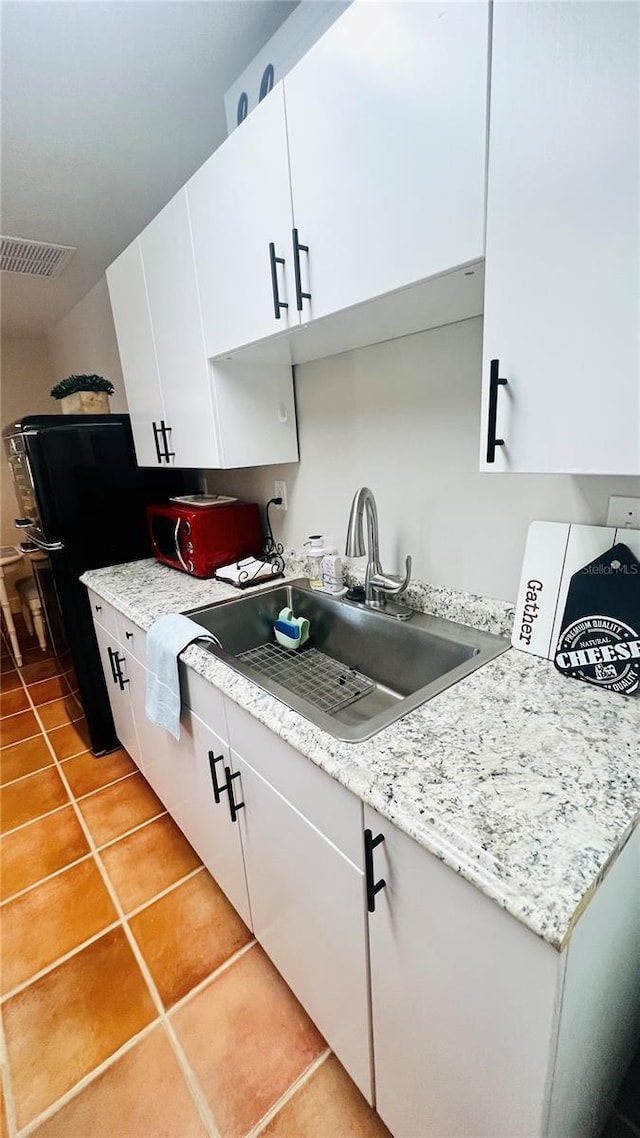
{"x": 624, "y": 513}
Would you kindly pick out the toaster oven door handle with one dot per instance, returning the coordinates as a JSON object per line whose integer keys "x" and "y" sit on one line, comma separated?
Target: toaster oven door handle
{"x": 187, "y": 566}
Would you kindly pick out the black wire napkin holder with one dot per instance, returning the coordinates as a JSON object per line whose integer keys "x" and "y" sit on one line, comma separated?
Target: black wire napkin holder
{"x": 272, "y": 555}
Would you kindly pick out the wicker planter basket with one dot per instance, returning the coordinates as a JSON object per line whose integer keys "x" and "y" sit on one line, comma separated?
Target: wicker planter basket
{"x": 85, "y": 403}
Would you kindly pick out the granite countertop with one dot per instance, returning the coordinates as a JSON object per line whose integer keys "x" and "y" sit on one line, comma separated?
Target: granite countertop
{"x": 524, "y": 782}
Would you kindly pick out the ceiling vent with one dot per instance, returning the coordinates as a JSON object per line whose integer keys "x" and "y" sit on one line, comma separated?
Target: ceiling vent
{"x": 35, "y": 258}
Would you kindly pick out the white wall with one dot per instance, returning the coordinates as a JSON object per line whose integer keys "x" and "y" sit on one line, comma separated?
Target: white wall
{"x": 403, "y": 418}
{"x": 85, "y": 343}
{"x": 26, "y": 377}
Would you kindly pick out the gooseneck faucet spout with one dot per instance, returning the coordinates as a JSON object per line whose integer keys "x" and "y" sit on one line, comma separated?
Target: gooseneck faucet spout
{"x": 378, "y": 585}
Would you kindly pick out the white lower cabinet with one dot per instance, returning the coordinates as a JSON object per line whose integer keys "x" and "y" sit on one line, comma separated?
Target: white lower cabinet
{"x": 116, "y": 667}
{"x": 203, "y": 810}
{"x": 307, "y": 902}
{"x": 463, "y": 1000}
{"x": 480, "y": 1027}
{"x": 182, "y": 774}
{"x": 448, "y": 1013}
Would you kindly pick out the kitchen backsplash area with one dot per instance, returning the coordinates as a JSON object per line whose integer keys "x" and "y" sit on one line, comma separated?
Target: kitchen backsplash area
{"x": 404, "y": 418}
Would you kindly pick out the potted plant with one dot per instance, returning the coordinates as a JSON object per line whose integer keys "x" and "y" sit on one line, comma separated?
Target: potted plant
{"x": 83, "y": 394}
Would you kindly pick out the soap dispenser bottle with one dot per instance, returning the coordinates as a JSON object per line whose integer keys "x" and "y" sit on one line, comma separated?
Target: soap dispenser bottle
{"x": 315, "y": 558}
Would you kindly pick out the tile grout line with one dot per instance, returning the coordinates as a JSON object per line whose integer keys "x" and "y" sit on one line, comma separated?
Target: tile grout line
{"x": 21, "y": 777}
{"x": 89, "y": 793}
{"x": 133, "y": 830}
{"x": 86, "y": 1080}
{"x": 57, "y": 872}
{"x": 45, "y": 814}
{"x": 289, "y": 1094}
{"x": 41, "y": 880}
{"x": 4, "y": 999}
{"x": 193, "y": 1085}
{"x": 5, "y": 746}
{"x": 57, "y": 809}
{"x": 130, "y": 913}
{"x": 215, "y": 975}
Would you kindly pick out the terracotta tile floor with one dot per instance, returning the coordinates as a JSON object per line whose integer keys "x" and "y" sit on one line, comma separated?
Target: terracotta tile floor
{"x": 135, "y": 1002}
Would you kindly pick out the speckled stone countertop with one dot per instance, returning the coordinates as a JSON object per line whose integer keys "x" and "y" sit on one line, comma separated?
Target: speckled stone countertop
{"x": 524, "y": 782}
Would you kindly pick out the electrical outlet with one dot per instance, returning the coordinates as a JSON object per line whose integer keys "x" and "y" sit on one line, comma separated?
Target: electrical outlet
{"x": 624, "y": 513}
{"x": 280, "y": 491}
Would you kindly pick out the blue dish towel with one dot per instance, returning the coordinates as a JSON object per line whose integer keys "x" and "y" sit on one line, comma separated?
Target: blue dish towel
{"x": 166, "y": 639}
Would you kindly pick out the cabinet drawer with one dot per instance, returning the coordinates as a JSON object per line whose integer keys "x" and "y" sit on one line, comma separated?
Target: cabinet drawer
{"x": 104, "y": 613}
{"x": 206, "y": 700}
{"x": 132, "y": 637}
{"x": 319, "y": 798}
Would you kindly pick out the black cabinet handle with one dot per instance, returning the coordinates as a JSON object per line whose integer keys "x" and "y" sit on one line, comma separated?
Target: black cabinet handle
{"x": 233, "y": 806}
{"x": 217, "y": 789}
{"x": 494, "y": 383}
{"x": 129, "y": 635}
{"x": 98, "y": 608}
{"x": 297, "y": 250}
{"x": 373, "y": 887}
{"x": 114, "y": 670}
{"x": 165, "y": 432}
{"x": 122, "y": 680}
{"x": 274, "y": 261}
{"x": 156, "y": 439}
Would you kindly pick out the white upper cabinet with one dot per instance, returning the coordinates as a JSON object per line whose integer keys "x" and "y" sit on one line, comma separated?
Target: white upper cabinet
{"x": 240, "y": 206}
{"x": 132, "y": 320}
{"x": 174, "y": 305}
{"x": 386, "y": 120}
{"x": 563, "y": 226}
{"x": 185, "y": 410}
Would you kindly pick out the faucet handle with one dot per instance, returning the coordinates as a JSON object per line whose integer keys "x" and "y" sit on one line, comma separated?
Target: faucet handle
{"x": 389, "y": 583}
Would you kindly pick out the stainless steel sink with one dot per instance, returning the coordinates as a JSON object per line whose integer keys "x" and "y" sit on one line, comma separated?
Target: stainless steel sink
{"x": 360, "y": 669}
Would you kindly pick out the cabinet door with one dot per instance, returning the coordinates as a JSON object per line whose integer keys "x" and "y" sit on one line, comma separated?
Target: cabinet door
{"x": 463, "y": 999}
{"x": 180, "y": 772}
{"x": 308, "y": 907}
{"x": 130, "y": 307}
{"x": 211, "y": 827}
{"x": 563, "y": 225}
{"x": 240, "y": 204}
{"x": 119, "y": 697}
{"x": 386, "y": 120}
{"x": 167, "y": 256}
{"x": 153, "y": 741}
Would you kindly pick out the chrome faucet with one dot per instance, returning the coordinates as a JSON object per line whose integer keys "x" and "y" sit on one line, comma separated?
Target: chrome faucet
{"x": 378, "y": 585}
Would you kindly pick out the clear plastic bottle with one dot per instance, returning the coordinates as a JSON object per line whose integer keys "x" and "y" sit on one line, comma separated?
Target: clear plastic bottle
{"x": 332, "y": 578}
{"x": 315, "y": 557}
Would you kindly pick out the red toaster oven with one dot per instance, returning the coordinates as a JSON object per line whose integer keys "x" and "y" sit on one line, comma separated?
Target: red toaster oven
{"x": 200, "y": 539}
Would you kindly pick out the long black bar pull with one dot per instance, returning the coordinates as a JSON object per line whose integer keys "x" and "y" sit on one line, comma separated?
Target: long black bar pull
{"x": 168, "y": 454}
{"x": 373, "y": 886}
{"x": 217, "y": 789}
{"x": 112, "y": 658}
{"x": 233, "y": 806}
{"x": 156, "y": 439}
{"x": 297, "y": 250}
{"x": 122, "y": 680}
{"x": 274, "y": 262}
{"x": 494, "y": 383}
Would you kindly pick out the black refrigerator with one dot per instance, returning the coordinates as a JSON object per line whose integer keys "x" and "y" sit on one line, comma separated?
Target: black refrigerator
{"x": 83, "y": 501}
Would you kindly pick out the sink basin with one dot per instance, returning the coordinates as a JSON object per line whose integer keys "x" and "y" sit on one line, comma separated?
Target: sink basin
{"x": 360, "y": 669}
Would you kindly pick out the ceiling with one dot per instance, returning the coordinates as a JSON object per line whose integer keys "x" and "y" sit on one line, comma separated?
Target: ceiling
{"x": 108, "y": 106}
